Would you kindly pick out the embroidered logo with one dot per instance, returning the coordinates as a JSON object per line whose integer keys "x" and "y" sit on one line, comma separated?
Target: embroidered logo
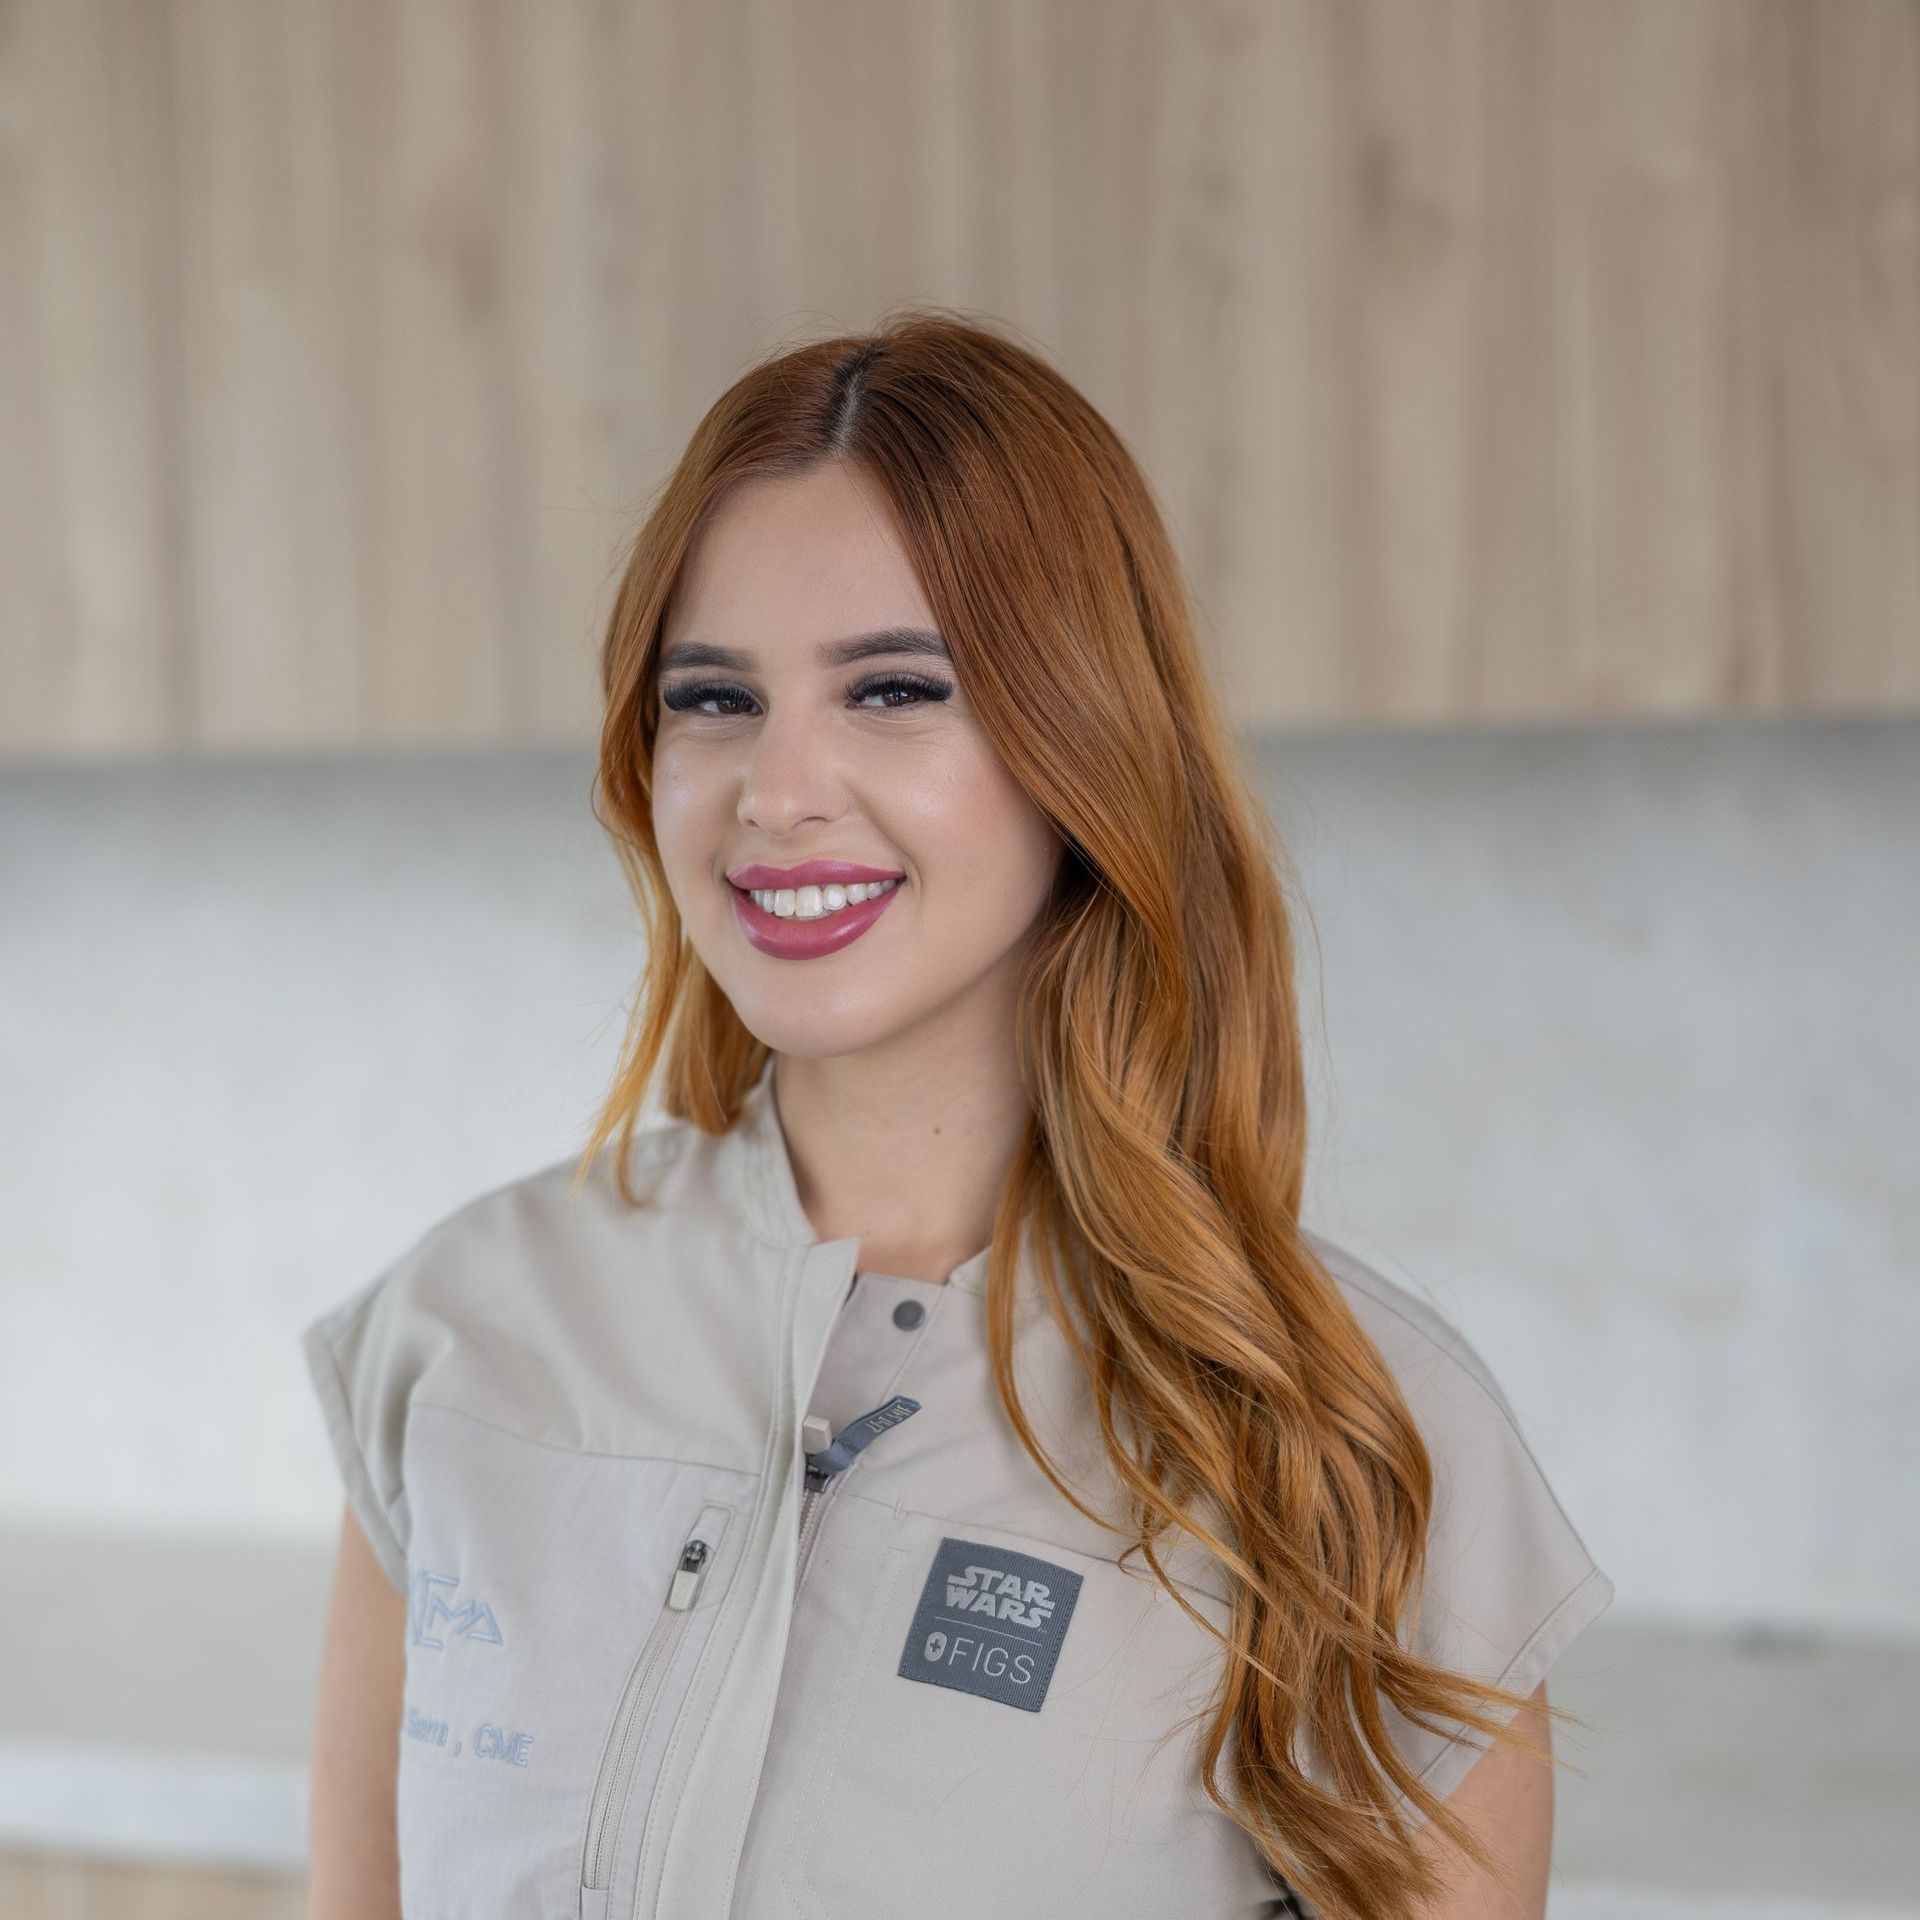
{"x": 990, "y": 1622}
{"x": 429, "y": 1611}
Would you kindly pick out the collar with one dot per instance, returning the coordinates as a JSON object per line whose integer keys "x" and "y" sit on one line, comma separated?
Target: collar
{"x": 770, "y": 1196}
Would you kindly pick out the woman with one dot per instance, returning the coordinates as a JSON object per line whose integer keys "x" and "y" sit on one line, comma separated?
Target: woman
{"x": 929, "y": 1467}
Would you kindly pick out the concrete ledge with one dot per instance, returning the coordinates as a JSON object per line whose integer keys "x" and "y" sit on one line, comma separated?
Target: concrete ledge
{"x": 1583, "y": 1902}
{"x": 181, "y": 1809}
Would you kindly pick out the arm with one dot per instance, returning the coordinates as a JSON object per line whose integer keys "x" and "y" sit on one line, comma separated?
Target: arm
{"x": 1507, "y": 1799}
{"x": 353, "y": 1862}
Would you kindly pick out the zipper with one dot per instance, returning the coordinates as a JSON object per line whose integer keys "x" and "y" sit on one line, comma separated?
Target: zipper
{"x": 827, "y": 1460}
{"x": 641, "y": 1694}
{"x": 711, "y": 1875}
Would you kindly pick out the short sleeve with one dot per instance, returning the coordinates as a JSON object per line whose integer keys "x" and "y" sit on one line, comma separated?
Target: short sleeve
{"x": 1509, "y": 1582}
{"x": 361, "y": 1379}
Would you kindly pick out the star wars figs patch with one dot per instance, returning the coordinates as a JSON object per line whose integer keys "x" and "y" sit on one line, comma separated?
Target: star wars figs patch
{"x": 991, "y": 1622}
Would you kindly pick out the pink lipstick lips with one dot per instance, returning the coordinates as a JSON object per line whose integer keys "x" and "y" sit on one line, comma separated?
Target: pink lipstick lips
{"x": 807, "y": 939}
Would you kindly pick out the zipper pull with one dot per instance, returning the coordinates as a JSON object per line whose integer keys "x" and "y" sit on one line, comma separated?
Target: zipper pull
{"x": 816, "y": 1436}
{"x": 686, "y": 1577}
{"x": 825, "y": 1461}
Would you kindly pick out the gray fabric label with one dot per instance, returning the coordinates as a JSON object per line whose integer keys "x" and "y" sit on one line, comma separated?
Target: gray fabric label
{"x": 991, "y": 1622}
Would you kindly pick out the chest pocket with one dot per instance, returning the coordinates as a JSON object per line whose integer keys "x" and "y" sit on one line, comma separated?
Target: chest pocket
{"x": 993, "y": 1724}
{"x": 557, "y": 1604}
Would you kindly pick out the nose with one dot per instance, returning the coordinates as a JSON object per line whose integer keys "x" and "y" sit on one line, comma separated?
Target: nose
{"x": 790, "y": 776}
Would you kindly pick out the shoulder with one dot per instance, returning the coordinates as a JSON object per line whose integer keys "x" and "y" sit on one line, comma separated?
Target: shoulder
{"x": 550, "y": 1221}
{"x": 1478, "y": 1449}
{"x": 512, "y": 1261}
{"x": 1426, "y": 1351}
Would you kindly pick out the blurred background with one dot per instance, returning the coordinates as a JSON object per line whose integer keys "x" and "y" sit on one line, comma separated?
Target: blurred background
{"x": 1533, "y": 387}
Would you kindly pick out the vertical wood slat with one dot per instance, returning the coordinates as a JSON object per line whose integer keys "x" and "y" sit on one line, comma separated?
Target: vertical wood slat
{"x": 1494, "y": 360}
{"x": 1849, "y": 249}
{"x": 94, "y": 602}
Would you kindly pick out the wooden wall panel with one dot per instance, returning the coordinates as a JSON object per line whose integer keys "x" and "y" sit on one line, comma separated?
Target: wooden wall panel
{"x": 1495, "y": 360}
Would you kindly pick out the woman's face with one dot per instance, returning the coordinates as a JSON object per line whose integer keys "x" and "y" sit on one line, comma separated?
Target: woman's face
{"x": 799, "y": 723}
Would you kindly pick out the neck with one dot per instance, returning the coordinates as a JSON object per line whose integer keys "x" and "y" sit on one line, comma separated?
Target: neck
{"x": 911, "y": 1156}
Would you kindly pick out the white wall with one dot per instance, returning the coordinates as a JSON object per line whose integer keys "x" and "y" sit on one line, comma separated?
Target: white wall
{"x": 1619, "y": 1064}
{"x": 1625, "y": 1050}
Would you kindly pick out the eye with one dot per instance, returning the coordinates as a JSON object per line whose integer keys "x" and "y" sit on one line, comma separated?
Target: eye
{"x": 689, "y": 695}
{"x": 726, "y": 700}
{"x": 911, "y": 685}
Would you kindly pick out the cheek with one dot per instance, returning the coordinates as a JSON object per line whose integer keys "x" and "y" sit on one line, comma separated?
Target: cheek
{"x": 687, "y": 818}
{"x": 986, "y": 851}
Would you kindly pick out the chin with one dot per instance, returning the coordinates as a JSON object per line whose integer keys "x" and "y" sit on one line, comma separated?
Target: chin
{"x": 789, "y": 1026}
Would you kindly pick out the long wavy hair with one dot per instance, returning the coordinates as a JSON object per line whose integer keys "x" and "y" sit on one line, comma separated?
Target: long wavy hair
{"x": 1162, "y": 1169}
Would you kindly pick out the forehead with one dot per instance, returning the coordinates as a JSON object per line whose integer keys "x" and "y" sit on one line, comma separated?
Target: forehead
{"x": 785, "y": 564}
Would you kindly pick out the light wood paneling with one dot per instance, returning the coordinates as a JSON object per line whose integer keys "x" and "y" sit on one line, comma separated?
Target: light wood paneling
{"x": 1494, "y": 359}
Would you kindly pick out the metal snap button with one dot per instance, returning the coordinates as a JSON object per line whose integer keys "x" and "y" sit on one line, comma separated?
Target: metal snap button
{"x": 909, "y": 1313}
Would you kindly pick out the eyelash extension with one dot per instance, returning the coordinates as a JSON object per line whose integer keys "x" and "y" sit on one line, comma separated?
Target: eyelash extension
{"x": 685, "y": 698}
{"x": 922, "y": 689}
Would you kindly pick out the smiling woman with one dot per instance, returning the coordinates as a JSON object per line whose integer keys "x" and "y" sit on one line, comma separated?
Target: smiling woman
{"x": 932, "y": 1465}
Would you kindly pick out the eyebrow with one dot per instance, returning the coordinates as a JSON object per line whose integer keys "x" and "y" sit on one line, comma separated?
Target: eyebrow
{"x": 921, "y": 641}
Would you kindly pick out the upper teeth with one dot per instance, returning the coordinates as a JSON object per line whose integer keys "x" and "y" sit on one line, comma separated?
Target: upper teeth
{"x": 810, "y": 903}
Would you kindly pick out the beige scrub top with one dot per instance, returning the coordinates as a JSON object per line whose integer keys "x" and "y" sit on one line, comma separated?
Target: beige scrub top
{"x": 573, "y": 1432}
